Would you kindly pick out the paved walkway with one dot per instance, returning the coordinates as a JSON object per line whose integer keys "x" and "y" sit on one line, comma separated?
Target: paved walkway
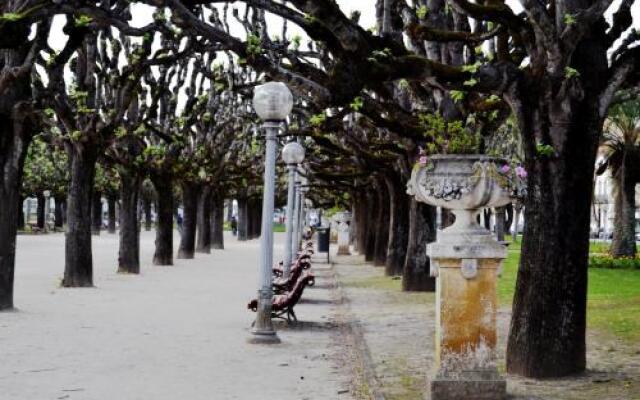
{"x": 171, "y": 333}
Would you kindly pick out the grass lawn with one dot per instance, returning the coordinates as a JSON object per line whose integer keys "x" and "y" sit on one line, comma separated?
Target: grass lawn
{"x": 613, "y": 299}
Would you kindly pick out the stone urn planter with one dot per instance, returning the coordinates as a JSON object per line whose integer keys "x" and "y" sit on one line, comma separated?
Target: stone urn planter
{"x": 466, "y": 260}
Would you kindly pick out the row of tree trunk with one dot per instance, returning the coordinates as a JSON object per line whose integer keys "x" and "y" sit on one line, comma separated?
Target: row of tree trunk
{"x": 249, "y": 218}
{"x": 392, "y": 230}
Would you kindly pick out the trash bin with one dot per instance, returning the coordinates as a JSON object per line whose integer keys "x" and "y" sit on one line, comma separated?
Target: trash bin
{"x": 323, "y": 239}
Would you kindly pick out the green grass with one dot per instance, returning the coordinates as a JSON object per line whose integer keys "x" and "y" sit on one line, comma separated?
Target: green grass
{"x": 613, "y": 304}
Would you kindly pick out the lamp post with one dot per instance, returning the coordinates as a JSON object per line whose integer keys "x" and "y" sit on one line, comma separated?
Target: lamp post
{"x": 295, "y": 220}
{"x": 273, "y": 103}
{"x": 302, "y": 217}
{"x": 47, "y": 194}
{"x": 292, "y": 154}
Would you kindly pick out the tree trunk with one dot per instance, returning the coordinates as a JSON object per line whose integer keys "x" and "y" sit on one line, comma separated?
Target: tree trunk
{"x": 547, "y": 336}
{"x": 370, "y": 241}
{"x": 624, "y": 198}
{"x": 217, "y": 222}
{"x": 59, "y": 212}
{"x": 243, "y": 219}
{"x": 422, "y": 230}
{"x": 111, "y": 212}
{"x": 164, "y": 220}
{"x": 398, "y": 225}
{"x": 129, "y": 251}
{"x": 500, "y": 223}
{"x": 190, "y": 193}
{"x": 363, "y": 207}
{"x": 40, "y": 221}
{"x": 382, "y": 226}
{"x": 203, "y": 244}
{"x": 487, "y": 218}
{"x": 15, "y": 136}
{"x": 355, "y": 220}
{"x": 251, "y": 219}
{"x": 78, "y": 270}
{"x": 509, "y": 217}
{"x": 96, "y": 213}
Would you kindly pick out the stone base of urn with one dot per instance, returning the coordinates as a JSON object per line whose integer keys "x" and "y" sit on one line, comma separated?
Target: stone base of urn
{"x": 466, "y": 260}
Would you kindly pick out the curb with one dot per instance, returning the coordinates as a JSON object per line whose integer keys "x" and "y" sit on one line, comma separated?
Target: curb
{"x": 353, "y": 327}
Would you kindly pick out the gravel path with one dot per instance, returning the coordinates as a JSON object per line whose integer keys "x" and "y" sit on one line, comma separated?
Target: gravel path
{"x": 171, "y": 333}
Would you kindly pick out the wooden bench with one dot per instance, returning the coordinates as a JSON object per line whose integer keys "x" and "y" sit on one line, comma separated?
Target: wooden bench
{"x": 283, "y": 304}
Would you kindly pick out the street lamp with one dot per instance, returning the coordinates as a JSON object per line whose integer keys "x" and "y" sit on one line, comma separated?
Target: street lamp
{"x": 304, "y": 188}
{"x": 47, "y": 194}
{"x": 292, "y": 154}
{"x": 273, "y": 102}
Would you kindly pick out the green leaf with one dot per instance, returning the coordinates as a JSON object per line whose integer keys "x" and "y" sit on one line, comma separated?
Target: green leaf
{"x": 571, "y": 73}
{"x": 422, "y": 12}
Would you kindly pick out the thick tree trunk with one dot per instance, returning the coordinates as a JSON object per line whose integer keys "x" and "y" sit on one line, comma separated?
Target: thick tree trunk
{"x": 500, "y": 223}
{"x": 217, "y": 222}
{"x": 363, "y": 221}
{"x": 59, "y": 212}
{"x": 353, "y": 227}
{"x": 422, "y": 230}
{"x": 40, "y": 221}
{"x": 111, "y": 214}
{"x": 203, "y": 244}
{"x": 78, "y": 271}
{"x": 96, "y": 213}
{"x": 251, "y": 219}
{"x": 164, "y": 220}
{"x": 624, "y": 198}
{"x": 509, "y": 217}
{"x": 382, "y": 226}
{"x": 243, "y": 219}
{"x": 15, "y": 136}
{"x": 547, "y": 336}
{"x": 398, "y": 225}
{"x": 370, "y": 240}
{"x": 190, "y": 193}
{"x": 129, "y": 250}
{"x": 487, "y": 218}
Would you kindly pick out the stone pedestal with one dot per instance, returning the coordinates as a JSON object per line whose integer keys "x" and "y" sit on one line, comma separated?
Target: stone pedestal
{"x": 466, "y": 261}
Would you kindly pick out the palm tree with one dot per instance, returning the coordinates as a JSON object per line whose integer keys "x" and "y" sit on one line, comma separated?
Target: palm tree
{"x": 621, "y": 150}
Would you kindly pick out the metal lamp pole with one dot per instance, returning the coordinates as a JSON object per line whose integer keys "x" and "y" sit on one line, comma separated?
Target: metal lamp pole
{"x": 47, "y": 194}
{"x": 295, "y": 220}
{"x": 292, "y": 154}
{"x": 273, "y": 102}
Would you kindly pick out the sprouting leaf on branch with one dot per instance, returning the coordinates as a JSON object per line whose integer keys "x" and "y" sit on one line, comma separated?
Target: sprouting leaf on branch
{"x": 82, "y": 21}
{"x": 422, "y": 12}
{"x": 12, "y": 17}
{"x": 457, "y": 95}
{"x": 357, "y": 104}
{"x": 544, "y": 150}
{"x": 470, "y": 82}
{"x": 569, "y": 19}
{"x": 571, "y": 73}
{"x": 317, "y": 120}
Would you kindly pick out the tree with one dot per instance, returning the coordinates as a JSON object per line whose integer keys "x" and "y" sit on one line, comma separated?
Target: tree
{"x": 621, "y": 150}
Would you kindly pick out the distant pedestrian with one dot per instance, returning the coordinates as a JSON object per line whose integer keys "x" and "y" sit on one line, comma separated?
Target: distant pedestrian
{"x": 179, "y": 222}
{"x": 234, "y": 225}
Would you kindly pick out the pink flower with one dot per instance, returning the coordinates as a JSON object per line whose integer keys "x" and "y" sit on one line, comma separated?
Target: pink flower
{"x": 423, "y": 160}
{"x": 521, "y": 172}
{"x": 505, "y": 168}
